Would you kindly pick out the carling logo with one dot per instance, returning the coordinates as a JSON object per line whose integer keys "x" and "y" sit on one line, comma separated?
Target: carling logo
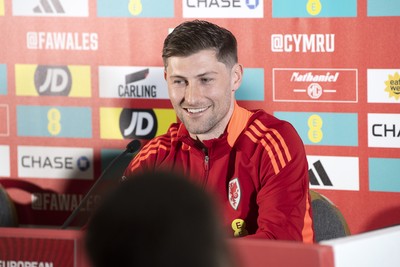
{"x": 4, "y": 120}
{"x": 77, "y": 41}
{"x": 51, "y": 8}
{"x": 315, "y": 85}
{"x": 384, "y": 130}
{"x": 54, "y": 121}
{"x": 223, "y": 8}
{"x": 338, "y": 173}
{"x": 51, "y": 80}
{"x": 5, "y": 161}
{"x": 383, "y": 85}
{"x": 119, "y": 123}
{"x": 136, "y": 8}
{"x": 55, "y": 162}
{"x": 324, "y": 129}
{"x": 132, "y": 82}
{"x": 314, "y": 8}
{"x": 303, "y": 43}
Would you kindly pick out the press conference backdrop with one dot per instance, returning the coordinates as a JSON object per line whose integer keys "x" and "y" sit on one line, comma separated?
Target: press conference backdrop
{"x": 80, "y": 78}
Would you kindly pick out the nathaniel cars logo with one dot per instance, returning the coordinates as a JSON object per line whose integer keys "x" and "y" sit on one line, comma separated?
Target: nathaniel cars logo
{"x": 132, "y": 82}
{"x": 315, "y": 85}
{"x": 384, "y": 130}
{"x": 303, "y": 43}
{"x": 51, "y": 8}
{"x": 223, "y": 8}
{"x": 338, "y": 173}
{"x": 55, "y": 162}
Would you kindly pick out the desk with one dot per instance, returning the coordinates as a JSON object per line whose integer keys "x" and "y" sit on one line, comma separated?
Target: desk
{"x": 25, "y": 247}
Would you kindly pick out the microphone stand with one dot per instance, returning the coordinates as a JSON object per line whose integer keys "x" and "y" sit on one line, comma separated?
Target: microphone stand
{"x": 132, "y": 147}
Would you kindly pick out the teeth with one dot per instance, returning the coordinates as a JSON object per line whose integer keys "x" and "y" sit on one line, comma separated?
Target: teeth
{"x": 196, "y": 110}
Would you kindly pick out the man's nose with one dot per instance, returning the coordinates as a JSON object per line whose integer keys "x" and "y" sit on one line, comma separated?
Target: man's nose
{"x": 192, "y": 93}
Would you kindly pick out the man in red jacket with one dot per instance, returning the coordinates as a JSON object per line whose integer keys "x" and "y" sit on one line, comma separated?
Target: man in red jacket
{"x": 253, "y": 163}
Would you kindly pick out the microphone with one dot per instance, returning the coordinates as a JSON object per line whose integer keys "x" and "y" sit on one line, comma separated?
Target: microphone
{"x": 132, "y": 147}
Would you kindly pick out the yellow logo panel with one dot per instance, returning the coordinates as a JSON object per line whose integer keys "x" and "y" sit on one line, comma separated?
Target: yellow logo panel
{"x": 120, "y": 123}
{"x": 1, "y": 7}
{"x": 46, "y": 80}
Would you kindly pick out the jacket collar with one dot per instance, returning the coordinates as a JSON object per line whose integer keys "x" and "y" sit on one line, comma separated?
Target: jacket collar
{"x": 236, "y": 125}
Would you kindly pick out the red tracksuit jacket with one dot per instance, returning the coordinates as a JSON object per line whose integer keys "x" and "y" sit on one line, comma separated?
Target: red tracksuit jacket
{"x": 257, "y": 170}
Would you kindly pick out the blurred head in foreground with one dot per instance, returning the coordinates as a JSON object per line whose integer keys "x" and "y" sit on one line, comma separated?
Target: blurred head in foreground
{"x": 156, "y": 219}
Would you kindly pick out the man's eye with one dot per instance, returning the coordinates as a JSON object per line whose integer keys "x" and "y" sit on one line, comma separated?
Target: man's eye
{"x": 206, "y": 80}
{"x": 179, "y": 82}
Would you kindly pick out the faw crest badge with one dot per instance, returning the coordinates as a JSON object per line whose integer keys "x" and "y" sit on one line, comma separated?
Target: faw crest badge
{"x": 234, "y": 193}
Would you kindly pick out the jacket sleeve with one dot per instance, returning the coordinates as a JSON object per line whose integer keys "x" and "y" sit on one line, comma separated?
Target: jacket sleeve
{"x": 283, "y": 197}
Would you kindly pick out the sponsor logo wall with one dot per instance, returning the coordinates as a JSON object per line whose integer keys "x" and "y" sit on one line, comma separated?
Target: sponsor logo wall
{"x": 80, "y": 79}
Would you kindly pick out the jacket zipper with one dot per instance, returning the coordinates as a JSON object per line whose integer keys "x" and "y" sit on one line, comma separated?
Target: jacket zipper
{"x": 206, "y": 165}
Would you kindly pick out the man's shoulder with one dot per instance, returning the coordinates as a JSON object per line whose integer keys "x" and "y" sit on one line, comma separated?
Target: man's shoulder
{"x": 264, "y": 129}
{"x": 168, "y": 137}
{"x": 266, "y": 122}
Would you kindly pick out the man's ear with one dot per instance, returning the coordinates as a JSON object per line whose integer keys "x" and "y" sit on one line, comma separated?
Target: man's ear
{"x": 165, "y": 74}
{"x": 237, "y": 75}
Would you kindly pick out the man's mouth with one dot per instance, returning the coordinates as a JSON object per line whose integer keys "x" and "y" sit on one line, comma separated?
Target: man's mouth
{"x": 195, "y": 110}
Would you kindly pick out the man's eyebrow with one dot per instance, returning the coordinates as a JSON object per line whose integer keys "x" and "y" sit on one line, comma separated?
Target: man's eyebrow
{"x": 206, "y": 73}
{"x": 177, "y": 76}
{"x": 197, "y": 76}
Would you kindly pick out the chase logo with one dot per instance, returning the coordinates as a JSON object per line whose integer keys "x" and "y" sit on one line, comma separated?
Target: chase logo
{"x": 119, "y": 123}
{"x": 136, "y": 8}
{"x": 324, "y": 129}
{"x": 382, "y": 8}
{"x": 384, "y": 174}
{"x": 252, "y": 87}
{"x": 338, "y": 173}
{"x": 132, "y": 82}
{"x": 46, "y": 80}
{"x": 51, "y": 8}
{"x": 46, "y": 121}
{"x": 55, "y": 162}
{"x": 3, "y": 79}
{"x": 223, "y": 8}
{"x": 315, "y": 85}
{"x": 314, "y": 8}
{"x": 383, "y": 85}
{"x": 384, "y": 130}
{"x": 5, "y": 161}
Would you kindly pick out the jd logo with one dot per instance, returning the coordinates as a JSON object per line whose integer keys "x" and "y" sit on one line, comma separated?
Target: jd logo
{"x": 141, "y": 124}
{"x": 53, "y": 80}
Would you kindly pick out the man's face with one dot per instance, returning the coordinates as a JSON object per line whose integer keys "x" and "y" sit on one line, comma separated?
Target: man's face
{"x": 201, "y": 90}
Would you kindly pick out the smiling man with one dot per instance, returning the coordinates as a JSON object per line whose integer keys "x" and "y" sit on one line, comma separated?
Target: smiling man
{"x": 253, "y": 163}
